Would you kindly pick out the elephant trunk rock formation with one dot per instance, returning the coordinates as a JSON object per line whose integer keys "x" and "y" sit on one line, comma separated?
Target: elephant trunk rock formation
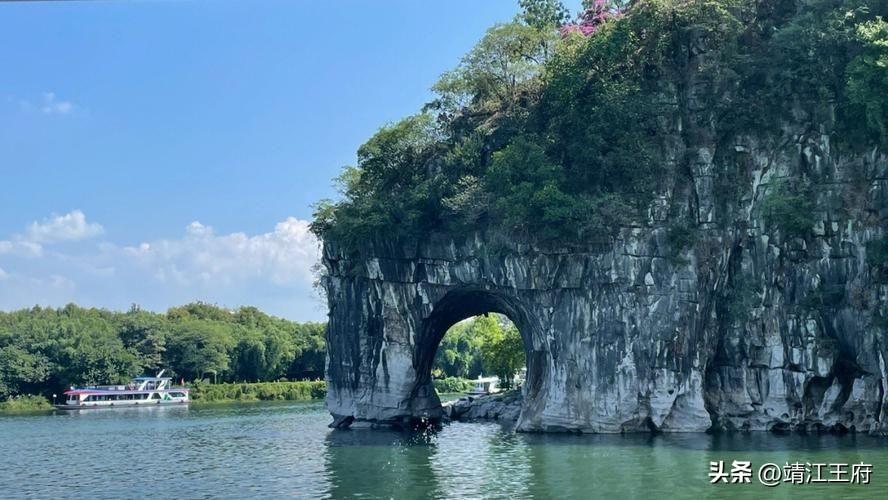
{"x": 743, "y": 327}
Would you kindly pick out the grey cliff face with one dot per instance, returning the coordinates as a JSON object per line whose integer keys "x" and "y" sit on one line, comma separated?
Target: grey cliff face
{"x": 746, "y": 325}
{"x": 746, "y": 328}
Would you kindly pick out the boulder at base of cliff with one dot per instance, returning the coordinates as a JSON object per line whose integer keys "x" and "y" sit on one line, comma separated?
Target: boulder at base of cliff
{"x": 504, "y": 407}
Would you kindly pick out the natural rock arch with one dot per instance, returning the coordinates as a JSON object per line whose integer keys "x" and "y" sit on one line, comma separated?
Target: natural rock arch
{"x": 747, "y": 328}
{"x": 462, "y": 303}
{"x": 601, "y": 358}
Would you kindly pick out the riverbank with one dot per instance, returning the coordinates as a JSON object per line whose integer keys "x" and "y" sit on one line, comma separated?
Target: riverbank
{"x": 302, "y": 390}
{"x": 293, "y": 391}
{"x": 451, "y": 385}
{"x": 25, "y": 404}
{"x": 203, "y": 393}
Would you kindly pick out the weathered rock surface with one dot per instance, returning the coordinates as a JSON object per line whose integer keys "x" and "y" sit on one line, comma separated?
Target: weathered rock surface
{"x": 743, "y": 327}
{"x": 504, "y": 407}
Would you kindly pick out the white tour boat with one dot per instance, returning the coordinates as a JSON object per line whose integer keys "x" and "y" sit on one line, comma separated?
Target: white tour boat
{"x": 141, "y": 391}
{"x": 485, "y": 385}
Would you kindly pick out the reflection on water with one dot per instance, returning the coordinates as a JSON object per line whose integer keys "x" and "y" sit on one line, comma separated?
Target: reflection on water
{"x": 285, "y": 450}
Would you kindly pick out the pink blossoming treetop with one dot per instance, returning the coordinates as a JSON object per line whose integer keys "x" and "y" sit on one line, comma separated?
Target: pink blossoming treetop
{"x": 596, "y": 13}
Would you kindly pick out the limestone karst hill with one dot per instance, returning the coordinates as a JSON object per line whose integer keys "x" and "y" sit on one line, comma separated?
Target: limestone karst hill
{"x": 682, "y": 206}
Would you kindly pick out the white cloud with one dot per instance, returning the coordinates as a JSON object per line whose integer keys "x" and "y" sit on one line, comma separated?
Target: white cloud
{"x": 197, "y": 229}
{"x": 53, "y": 106}
{"x": 21, "y": 248}
{"x": 271, "y": 270}
{"x": 282, "y": 257}
{"x": 48, "y": 104}
{"x": 69, "y": 227}
{"x": 3, "y": 275}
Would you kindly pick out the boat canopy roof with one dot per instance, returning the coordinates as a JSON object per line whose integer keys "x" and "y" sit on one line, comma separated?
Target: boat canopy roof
{"x": 112, "y": 391}
{"x": 142, "y": 379}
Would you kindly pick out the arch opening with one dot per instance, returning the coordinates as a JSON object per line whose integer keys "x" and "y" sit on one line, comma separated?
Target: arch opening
{"x": 459, "y": 305}
{"x": 480, "y": 346}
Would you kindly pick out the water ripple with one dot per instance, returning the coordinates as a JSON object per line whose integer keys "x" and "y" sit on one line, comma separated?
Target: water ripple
{"x": 285, "y": 450}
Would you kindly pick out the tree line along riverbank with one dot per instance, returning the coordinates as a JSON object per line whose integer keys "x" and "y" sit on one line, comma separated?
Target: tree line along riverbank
{"x": 44, "y": 351}
{"x": 204, "y": 392}
{"x": 303, "y": 390}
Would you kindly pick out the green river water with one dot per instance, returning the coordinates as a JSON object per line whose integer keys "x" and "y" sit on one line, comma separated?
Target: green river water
{"x": 278, "y": 450}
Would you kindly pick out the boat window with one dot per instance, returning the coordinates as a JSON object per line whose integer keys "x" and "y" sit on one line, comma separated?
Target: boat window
{"x": 155, "y": 396}
{"x": 177, "y": 394}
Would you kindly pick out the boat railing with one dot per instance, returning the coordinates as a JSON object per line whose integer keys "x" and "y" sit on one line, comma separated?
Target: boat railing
{"x": 138, "y": 384}
{"x": 132, "y": 386}
{"x": 106, "y": 387}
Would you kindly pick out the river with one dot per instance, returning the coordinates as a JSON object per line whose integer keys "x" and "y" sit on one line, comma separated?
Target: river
{"x": 286, "y": 450}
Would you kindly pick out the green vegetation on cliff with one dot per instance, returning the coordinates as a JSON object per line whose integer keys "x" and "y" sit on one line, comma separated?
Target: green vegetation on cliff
{"x": 554, "y": 131}
{"x": 44, "y": 351}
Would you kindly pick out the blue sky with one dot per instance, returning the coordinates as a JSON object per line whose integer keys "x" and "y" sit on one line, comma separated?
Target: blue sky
{"x": 161, "y": 151}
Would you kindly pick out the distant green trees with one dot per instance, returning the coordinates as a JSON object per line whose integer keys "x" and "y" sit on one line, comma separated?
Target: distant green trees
{"x": 503, "y": 353}
{"x": 21, "y": 370}
{"x": 459, "y": 353}
{"x": 488, "y": 344}
{"x": 198, "y": 347}
{"x": 554, "y": 134}
{"x": 45, "y": 350}
{"x": 450, "y": 385}
{"x": 302, "y": 390}
{"x": 24, "y": 404}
